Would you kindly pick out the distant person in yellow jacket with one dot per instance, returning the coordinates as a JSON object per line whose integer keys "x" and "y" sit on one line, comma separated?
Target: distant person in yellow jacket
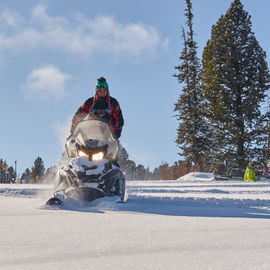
{"x": 250, "y": 175}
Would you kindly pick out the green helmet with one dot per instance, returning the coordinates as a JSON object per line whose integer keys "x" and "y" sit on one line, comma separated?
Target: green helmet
{"x": 101, "y": 83}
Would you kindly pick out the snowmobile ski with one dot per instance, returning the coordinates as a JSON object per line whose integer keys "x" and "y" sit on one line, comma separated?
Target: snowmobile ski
{"x": 54, "y": 201}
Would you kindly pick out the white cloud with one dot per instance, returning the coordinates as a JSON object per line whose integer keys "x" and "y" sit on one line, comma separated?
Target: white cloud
{"x": 81, "y": 34}
{"x": 45, "y": 82}
{"x": 10, "y": 18}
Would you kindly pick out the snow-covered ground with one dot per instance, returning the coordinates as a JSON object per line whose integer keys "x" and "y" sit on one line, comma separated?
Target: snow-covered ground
{"x": 190, "y": 223}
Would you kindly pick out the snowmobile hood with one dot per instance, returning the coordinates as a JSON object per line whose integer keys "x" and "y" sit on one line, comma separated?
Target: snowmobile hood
{"x": 95, "y": 131}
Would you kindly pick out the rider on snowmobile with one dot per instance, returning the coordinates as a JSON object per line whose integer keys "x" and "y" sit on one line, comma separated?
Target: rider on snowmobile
{"x": 101, "y": 107}
{"x": 84, "y": 176}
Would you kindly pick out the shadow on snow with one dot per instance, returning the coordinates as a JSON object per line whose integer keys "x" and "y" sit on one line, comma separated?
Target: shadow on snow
{"x": 189, "y": 207}
{"x": 171, "y": 206}
{"x": 199, "y": 207}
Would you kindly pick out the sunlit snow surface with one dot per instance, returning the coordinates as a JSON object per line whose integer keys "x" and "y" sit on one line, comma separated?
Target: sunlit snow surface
{"x": 191, "y": 223}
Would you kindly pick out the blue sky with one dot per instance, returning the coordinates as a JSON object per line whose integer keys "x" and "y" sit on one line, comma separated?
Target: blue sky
{"x": 51, "y": 53}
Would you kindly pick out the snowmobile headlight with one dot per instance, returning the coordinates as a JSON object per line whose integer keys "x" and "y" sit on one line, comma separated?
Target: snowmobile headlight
{"x": 98, "y": 156}
{"x": 82, "y": 154}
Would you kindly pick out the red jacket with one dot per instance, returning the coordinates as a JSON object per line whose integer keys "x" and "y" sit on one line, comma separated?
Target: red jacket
{"x": 104, "y": 108}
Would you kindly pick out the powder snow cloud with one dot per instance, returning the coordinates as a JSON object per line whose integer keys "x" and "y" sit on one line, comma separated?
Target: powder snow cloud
{"x": 62, "y": 131}
{"x": 77, "y": 34}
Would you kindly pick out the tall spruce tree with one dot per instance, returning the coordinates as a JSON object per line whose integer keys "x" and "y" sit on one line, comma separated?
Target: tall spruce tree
{"x": 192, "y": 131}
{"x": 235, "y": 79}
{"x": 38, "y": 169}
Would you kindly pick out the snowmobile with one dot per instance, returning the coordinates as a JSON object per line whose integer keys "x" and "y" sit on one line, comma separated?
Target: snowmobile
{"x": 236, "y": 174}
{"x": 228, "y": 170}
{"x": 90, "y": 170}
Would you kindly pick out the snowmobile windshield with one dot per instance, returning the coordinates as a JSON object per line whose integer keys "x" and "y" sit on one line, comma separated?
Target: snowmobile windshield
{"x": 95, "y": 131}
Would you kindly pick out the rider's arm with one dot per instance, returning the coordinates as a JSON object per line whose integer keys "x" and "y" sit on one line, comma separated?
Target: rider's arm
{"x": 119, "y": 120}
{"x": 80, "y": 114}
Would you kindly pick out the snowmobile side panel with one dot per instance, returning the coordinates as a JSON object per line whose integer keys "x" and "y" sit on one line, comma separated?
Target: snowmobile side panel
{"x": 84, "y": 193}
{"x": 221, "y": 178}
{"x": 114, "y": 181}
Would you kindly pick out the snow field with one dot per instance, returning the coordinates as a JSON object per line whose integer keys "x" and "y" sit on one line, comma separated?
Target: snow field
{"x": 193, "y": 223}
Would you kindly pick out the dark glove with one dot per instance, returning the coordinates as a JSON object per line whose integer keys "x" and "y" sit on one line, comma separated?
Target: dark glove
{"x": 116, "y": 134}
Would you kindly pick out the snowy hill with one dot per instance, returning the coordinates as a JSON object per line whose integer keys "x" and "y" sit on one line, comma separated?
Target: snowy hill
{"x": 191, "y": 223}
{"x": 196, "y": 176}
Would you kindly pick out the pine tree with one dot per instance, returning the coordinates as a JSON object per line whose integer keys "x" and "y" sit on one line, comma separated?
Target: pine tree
{"x": 148, "y": 174}
{"x": 192, "y": 132}
{"x": 156, "y": 174}
{"x": 140, "y": 172}
{"x": 38, "y": 169}
{"x": 235, "y": 80}
{"x": 123, "y": 157}
{"x": 11, "y": 175}
{"x": 2, "y": 173}
{"x": 129, "y": 166}
{"x": 131, "y": 170}
{"x": 6, "y": 173}
{"x": 26, "y": 176}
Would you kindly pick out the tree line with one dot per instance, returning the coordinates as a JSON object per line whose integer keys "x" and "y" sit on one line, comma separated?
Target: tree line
{"x": 37, "y": 173}
{"x": 221, "y": 107}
